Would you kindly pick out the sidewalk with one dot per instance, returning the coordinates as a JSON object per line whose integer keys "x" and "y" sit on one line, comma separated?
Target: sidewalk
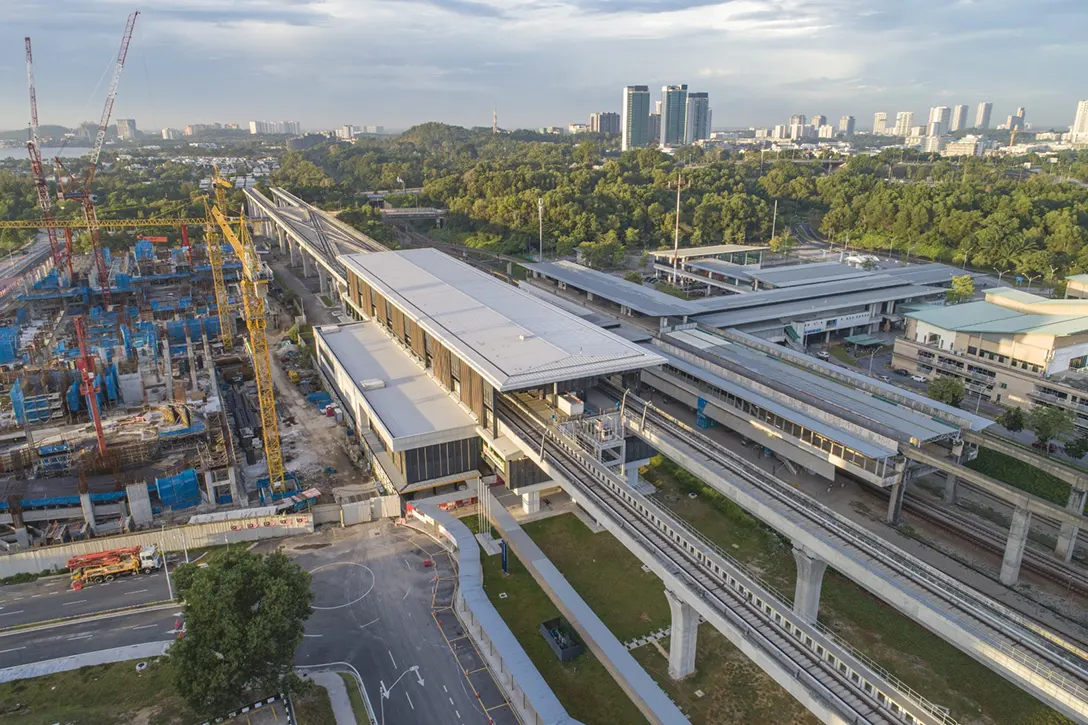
{"x": 101, "y": 657}
{"x": 338, "y": 696}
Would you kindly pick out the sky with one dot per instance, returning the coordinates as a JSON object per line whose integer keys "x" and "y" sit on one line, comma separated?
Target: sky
{"x": 541, "y": 62}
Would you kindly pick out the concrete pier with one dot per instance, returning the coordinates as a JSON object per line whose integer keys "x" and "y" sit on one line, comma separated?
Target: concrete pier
{"x": 950, "y": 481}
{"x": 530, "y": 502}
{"x": 685, "y": 628}
{"x": 1067, "y": 536}
{"x": 895, "y": 501}
{"x": 1014, "y": 548}
{"x": 810, "y": 578}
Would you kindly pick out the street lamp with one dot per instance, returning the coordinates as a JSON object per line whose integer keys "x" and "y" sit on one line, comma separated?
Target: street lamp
{"x": 540, "y": 217}
{"x": 1030, "y": 279}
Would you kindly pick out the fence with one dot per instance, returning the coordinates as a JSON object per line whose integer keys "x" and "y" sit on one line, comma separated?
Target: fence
{"x": 214, "y": 533}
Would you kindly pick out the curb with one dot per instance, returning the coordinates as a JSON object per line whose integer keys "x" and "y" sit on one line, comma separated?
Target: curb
{"x": 107, "y": 614}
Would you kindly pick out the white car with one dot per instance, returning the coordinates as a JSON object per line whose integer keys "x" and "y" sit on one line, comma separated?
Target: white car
{"x": 918, "y": 378}
{"x": 823, "y": 355}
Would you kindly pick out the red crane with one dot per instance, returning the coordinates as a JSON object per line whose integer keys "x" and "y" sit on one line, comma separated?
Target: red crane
{"x": 37, "y": 170}
{"x": 82, "y": 190}
{"x": 89, "y": 387}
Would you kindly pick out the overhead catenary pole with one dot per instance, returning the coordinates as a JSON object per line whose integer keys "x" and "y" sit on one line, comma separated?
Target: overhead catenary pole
{"x": 676, "y": 232}
{"x": 540, "y": 218}
{"x": 774, "y": 219}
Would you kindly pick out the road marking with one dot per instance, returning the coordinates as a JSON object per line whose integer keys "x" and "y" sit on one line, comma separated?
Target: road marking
{"x": 34, "y": 595}
{"x": 444, "y": 689}
{"x": 13, "y": 649}
{"x": 88, "y": 635}
{"x": 77, "y": 601}
{"x": 407, "y": 564}
{"x": 451, "y": 700}
{"x": 144, "y": 626}
{"x": 368, "y": 624}
{"x": 458, "y": 714}
{"x": 391, "y": 658}
{"x": 409, "y": 700}
{"x": 137, "y": 591}
{"x": 406, "y": 594}
{"x": 313, "y": 635}
{"x": 17, "y": 611}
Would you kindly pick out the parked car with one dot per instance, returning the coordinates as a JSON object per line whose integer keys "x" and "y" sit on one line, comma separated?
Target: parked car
{"x": 1048, "y": 447}
{"x": 823, "y": 355}
{"x": 885, "y": 378}
{"x": 901, "y": 372}
{"x": 918, "y": 378}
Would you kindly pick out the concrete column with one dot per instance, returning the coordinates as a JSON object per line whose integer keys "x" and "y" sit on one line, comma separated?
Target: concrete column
{"x": 22, "y": 536}
{"x": 1014, "y": 548}
{"x": 282, "y": 238}
{"x": 85, "y": 501}
{"x": 530, "y": 502}
{"x": 192, "y": 357}
{"x": 810, "y": 578}
{"x": 323, "y": 280}
{"x": 685, "y": 627}
{"x": 895, "y": 501}
{"x": 1067, "y": 536}
{"x": 237, "y": 494}
{"x": 169, "y": 368}
{"x": 306, "y": 265}
{"x": 950, "y": 481}
{"x": 294, "y": 252}
{"x": 632, "y": 475}
{"x": 957, "y": 451}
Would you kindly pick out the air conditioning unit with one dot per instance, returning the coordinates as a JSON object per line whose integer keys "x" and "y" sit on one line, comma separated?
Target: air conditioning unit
{"x": 371, "y": 384}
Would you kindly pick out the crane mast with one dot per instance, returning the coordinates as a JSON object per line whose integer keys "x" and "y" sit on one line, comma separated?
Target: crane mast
{"x": 37, "y": 169}
{"x": 89, "y": 386}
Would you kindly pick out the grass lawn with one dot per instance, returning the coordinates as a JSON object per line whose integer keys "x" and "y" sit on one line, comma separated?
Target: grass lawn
{"x": 315, "y": 708}
{"x": 671, "y": 289}
{"x": 840, "y": 353}
{"x": 1021, "y": 475}
{"x": 112, "y": 694}
{"x": 921, "y": 659}
{"x": 583, "y": 686}
{"x": 356, "y": 698}
{"x": 632, "y": 602}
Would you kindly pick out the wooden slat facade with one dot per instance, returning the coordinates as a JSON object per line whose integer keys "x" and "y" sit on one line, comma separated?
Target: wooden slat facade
{"x": 397, "y": 324}
{"x": 472, "y": 391}
{"x": 418, "y": 342}
{"x": 442, "y": 364}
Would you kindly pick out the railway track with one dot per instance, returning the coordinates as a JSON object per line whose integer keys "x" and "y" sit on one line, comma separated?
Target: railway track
{"x": 1014, "y": 644}
{"x": 860, "y": 695}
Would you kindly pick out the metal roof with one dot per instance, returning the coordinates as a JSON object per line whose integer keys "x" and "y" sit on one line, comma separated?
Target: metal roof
{"x": 644, "y": 300}
{"x": 688, "y": 252}
{"x": 792, "y": 294}
{"x": 831, "y": 432}
{"x": 834, "y": 397}
{"x": 987, "y": 317}
{"x": 412, "y": 408}
{"x": 805, "y": 274}
{"x": 933, "y": 273}
{"x": 807, "y": 308}
{"x": 511, "y": 338}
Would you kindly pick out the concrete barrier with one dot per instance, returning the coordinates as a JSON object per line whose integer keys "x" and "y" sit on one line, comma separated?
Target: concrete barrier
{"x": 214, "y": 533}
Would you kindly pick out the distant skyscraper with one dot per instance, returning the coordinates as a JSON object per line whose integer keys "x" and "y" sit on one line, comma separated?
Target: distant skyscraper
{"x": 655, "y": 128}
{"x": 826, "y": 131}
{"x": 846, "y": 125}
{"x": 171, "y": 134}
{"x": 657, "y": 107}
{"x": 1079, "y": 130}
{"x": 903, "y": 121}
{"x": 819, "y": 120}
{"x": 604, "y": 122}
{"x": 126, "y": 129}
{"x": 635, "y": 120}
{"x": 674, "y": 107}
{"x": 982, "y": 116}
{"x": 959, "y": 118}
{"x": 939, "y": 117}
{"x": 797, "y": 119}
{"x": 697, "y": 117}
{"x": 781, "y": 131}
{"x": 880, "y": 123}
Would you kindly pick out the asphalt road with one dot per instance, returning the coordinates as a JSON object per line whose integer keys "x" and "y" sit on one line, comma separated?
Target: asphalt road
{"x": 18, "y": 647}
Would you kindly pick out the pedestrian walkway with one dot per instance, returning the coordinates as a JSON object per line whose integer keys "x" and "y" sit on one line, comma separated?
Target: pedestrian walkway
{"x": 142, "y": 651}
{"x": 338, "y": 696}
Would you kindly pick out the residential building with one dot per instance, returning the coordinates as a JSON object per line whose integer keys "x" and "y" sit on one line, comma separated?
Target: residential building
{"x": 231, "y": 126}
{"x": 880, "y": 123}
{"x": 846, "y": 125}
{"x": 982, "y": 116}
{"x": 171, "y": 134}
{"x": 655, "y": 129}
{"x": 195, "y": 128}
{"x": 604, "y": 122}
{"x": 657, "y": 107}
{"x": 933, "y": 144}
{"x": 1014, "y": 123}
{"x": 126, "y": 129}
{"x": 818, "y": 120}
{"x": 798, "y": 131}
{"x": 781, "y": 131}
{"x": 697, "y": 117}
{"x": 966, "y": 146}
{"x": 1013, "y": 348}
{"x": 347, "y": 132}
{"x": 959, "y": 117}
{"x": 940, "y": 115}
{"x": 1079, "y": 130}
{"x": 934, "y": 129}
{"x": 573, "y": 128}
{"x": 798, "y": 119}
{"x": 903, "y": 122}
{"x": 826, "y": 131}
{"x": 290, "y": 128}
{"x": 1021, "y": 114}
{"x": 674, "y": 106}
{"x": 635, "y": 120}
{"x": 916, "y": 131}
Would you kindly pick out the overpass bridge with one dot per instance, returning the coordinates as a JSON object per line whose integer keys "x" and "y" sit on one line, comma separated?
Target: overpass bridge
{"x": 312, "y": 236}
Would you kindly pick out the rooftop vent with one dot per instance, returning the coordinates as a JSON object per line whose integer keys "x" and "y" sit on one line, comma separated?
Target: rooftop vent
{"x": 372, "y": 384}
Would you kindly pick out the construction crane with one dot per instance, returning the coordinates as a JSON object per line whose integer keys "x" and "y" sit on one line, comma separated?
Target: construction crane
{"x": 70, "y": 224}
{"x": 254, "y": 285}
{"x": 37, "y": 170}
{"x": 73, "y": 188}
{"x": 89, "y": 385}
{"x": 213, "y": 244}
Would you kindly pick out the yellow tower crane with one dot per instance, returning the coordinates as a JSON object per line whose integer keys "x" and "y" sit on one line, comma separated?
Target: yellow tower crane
{"x": 215, "y": 259}
{"x": 254, "y": 291}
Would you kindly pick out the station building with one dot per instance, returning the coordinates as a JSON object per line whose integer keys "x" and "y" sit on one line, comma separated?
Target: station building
{"x": 437, "y": 346}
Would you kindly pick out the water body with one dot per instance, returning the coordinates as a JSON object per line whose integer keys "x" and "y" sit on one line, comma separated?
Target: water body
{"x": 19, "y": 153}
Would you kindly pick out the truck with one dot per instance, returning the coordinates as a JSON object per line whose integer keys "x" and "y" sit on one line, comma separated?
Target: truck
{"x": 105, "y": 566}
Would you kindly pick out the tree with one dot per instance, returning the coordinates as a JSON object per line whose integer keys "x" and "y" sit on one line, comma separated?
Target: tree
{"x": 1013, "y": 419}
{"x": 783, "y": 243}
{"x": 946, "y": 389}
{"x": 1049, "y": 422}
{"x": 244, "y": 616}
{"x": 963, "y": 289}
{"x": 1077, "y": 447}
{"x": 633, "y": 276}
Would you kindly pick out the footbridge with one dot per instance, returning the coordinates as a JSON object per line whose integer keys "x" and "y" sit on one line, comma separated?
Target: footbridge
{"x": 833, "y": 680}
{"x": 313, "y": 237}
{"x": 1049, "y": 666}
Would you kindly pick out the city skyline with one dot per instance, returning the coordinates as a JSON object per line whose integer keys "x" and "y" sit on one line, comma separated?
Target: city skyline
{"x": 840, "y": 56}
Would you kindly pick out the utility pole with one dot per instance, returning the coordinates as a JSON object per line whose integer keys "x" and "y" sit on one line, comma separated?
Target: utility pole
{"x": 774, "y": 219}
{"x": 540, "y": 218}
{"x": 676, "y": 233}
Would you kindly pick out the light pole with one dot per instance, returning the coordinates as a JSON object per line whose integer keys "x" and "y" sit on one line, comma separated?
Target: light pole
{"x": 1033, "y": 278}
{"x": 774, "y": 219}
{"x": 540, "y": 218}
{"x": 166, "y": 564}
{"x": 676, "y": 232}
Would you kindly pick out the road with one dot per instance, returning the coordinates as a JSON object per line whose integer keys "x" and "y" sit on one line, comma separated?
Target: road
{"x": 17, "y": 648}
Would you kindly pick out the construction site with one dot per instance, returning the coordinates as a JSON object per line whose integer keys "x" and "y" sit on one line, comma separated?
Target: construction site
{"x": 137, "y": 385}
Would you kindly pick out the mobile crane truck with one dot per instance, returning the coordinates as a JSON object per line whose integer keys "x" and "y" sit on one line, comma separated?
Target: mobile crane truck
{"x": 105, "y": 566}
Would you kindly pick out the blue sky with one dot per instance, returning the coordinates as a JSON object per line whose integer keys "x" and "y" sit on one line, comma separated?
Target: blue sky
{"x": 543, "y": 62}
